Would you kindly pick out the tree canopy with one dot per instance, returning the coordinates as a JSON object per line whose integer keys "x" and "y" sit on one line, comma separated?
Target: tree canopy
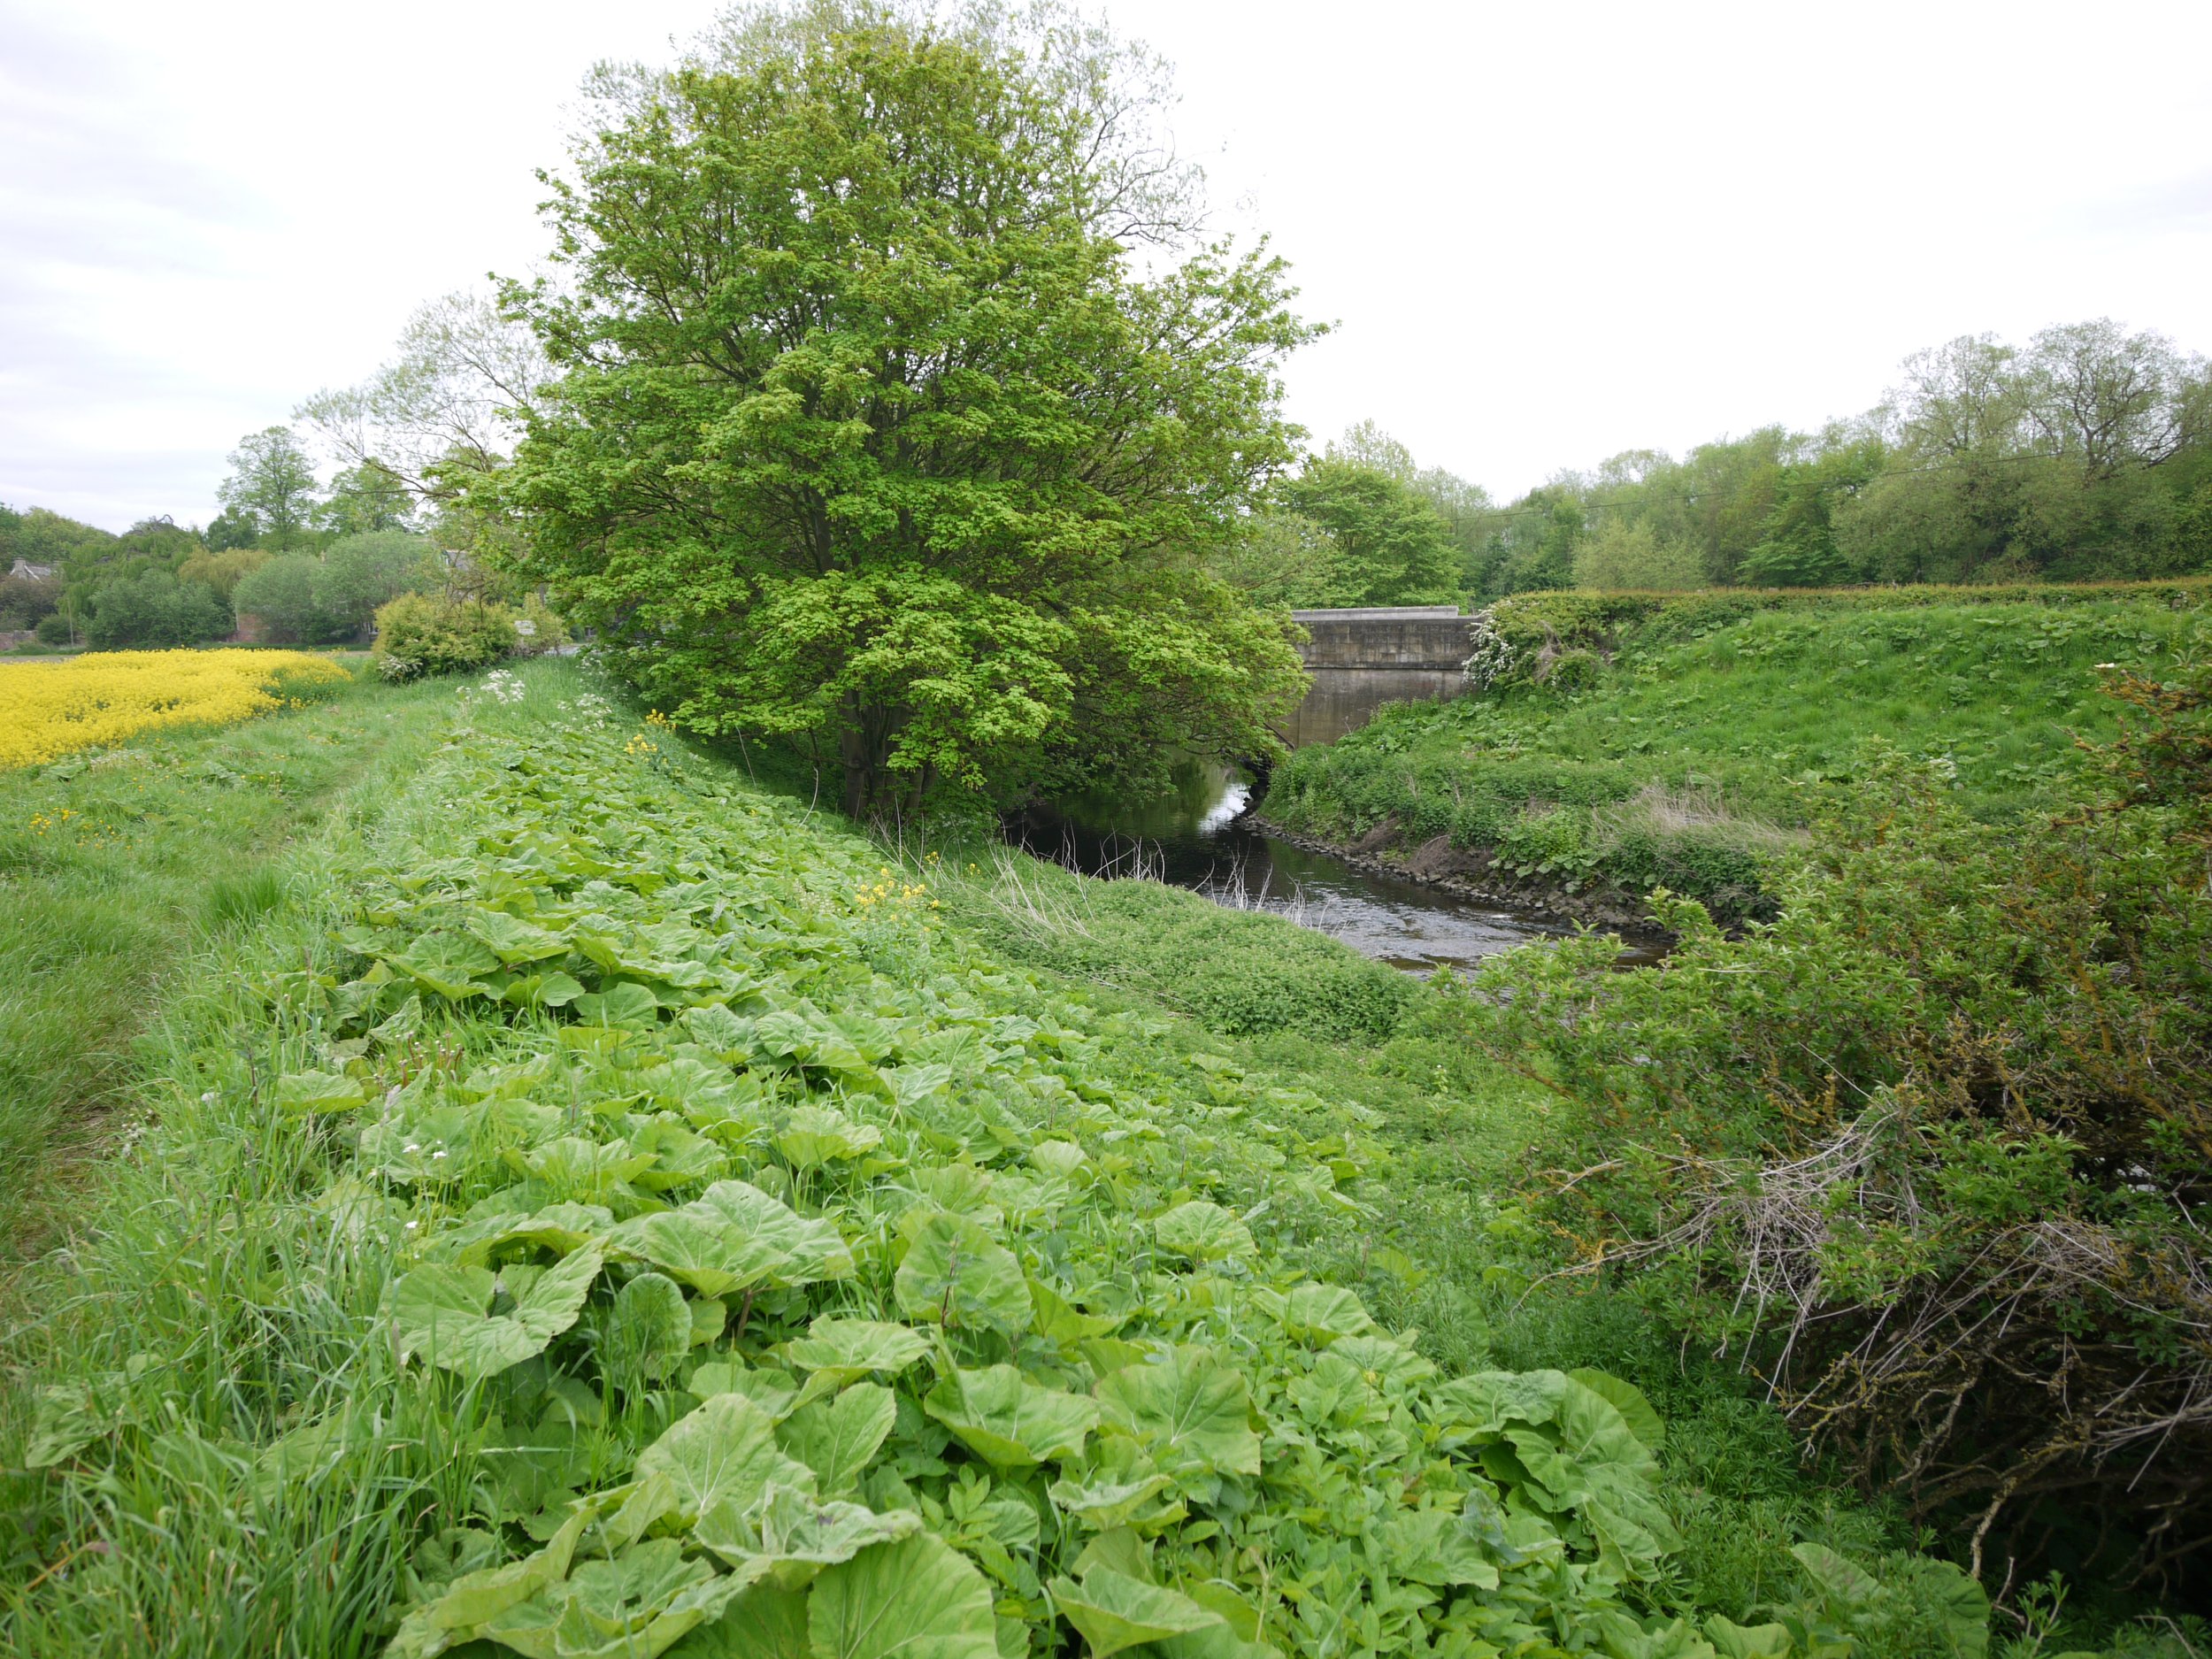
{"x": 1390, "y": 546}
{"x": 869, "y": 430}
{"x": 271, "y": 486}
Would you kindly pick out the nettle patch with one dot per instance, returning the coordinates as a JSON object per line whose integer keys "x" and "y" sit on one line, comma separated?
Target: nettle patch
{"x": 816, "y": 1311}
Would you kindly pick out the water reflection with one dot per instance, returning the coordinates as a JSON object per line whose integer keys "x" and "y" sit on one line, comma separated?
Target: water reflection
{"x": 1197, "y": 837}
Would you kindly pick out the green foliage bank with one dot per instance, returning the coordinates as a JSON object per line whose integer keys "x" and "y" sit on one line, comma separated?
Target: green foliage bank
{"x": 1613, "y": 743}
{"x": 1930, "y": 1151}
{"x": 649, "y": 1231}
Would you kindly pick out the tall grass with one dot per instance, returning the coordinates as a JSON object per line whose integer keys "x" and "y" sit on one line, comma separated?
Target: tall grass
{"x": 113, "y": 864}
{"x": 274, "y": 1509}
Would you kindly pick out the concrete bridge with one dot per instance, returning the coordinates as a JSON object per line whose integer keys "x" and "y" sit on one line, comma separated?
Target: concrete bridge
{"x": 1362, "y": 659}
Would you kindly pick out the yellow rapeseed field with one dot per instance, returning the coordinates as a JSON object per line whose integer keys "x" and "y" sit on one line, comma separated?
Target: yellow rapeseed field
{"x": 49, "y": 709}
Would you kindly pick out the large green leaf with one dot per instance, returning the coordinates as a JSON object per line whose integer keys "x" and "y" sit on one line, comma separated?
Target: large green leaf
{"x": 623, "y": 1005}
{"x": 838, "y": 1437}
{"x": 815, "y": 1135}
{"x": 473, "y": 1599}
{"x": 767, "y": 1621}
{"x": 794, "y": 1536}
{"x": 1593, "y": 1428}
{"x": 648, "y": 1329}
{"x": 912, "y": 1599}
{"x": 1440, "y": 1547}
{"x": 443, "y": 1313}
{"x": 846, "y": 1350}
{"x": 1627, "y": 1399}
{"x": 1114, "y": 1611}
{"x": 635, "y": 1605}
{"x": 1381, "y": 1360}
{"x": 454, "y": 965}
{"x": 773, "y": 1391}
{"x": 558, "y": 1228}
{"x": 71, "y": 1416}
{"x": 556, "y": 989}
{"x": 1323, "y": 1312}
{"x": 1009, "y": 1421}
{"x": 680, "y": 1156}
{"x": 1190, "y": 1410}
{"x": 1731, "y": 1640}
{"x": 1958, "y": 1600}
{"x": 1587, "y": 1459}
{"x": 1839, "y": 1578}
{"x": 734, "y": 1237}
{"x": 513, "y": 939}
{"x": 1119, "y": 1486}
{"x": 725, "y": 1452}
{"x": 574, "y": 1170}
{"x": 1202, "y": 1232}
{"x": 1623, "y": 1637}
{"x": 319, "y": 1092}
{"x": 956, "y": 1274}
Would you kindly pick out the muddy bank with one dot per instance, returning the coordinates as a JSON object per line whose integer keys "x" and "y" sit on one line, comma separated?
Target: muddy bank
{"x": 1471, "y": 872}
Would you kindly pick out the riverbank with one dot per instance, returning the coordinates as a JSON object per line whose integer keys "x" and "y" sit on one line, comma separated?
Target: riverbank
{"x": 382, "y": 1283}
{"x": 1625, "y": 743}
{"x": 1477, "y": 875}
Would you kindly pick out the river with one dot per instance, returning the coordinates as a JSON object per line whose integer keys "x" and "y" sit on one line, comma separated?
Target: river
{"x": 1199, "y": 838}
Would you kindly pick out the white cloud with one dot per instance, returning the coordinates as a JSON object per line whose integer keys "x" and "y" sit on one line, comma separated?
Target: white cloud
{"x": 1549, "y": 232}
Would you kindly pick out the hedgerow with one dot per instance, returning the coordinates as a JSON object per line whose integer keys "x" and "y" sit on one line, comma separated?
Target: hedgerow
{"x": 794, "y": 1279}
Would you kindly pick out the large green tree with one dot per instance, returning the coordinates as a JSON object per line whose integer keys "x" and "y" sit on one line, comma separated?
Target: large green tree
{"x": 1392, "y": 547}
{"x": 871, "y": 428}
{"x": 271, "y": 485}
{"x": 366, "y": 500}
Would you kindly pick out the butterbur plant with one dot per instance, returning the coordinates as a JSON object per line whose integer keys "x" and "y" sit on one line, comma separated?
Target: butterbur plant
{"x": 800, "y": 1309}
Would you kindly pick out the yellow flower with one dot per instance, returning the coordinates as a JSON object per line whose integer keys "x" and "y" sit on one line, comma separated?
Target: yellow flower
{"x": 48, "y": 709}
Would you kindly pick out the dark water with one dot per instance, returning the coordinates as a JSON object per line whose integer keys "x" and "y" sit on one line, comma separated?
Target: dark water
{"x": 1198, "y": 838}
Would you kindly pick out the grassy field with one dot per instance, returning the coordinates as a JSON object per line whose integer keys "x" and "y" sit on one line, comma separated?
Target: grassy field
{"x": 118, "y": 867}
{"x": 1679, "y": 741}
{"x": 368, "y": 1304}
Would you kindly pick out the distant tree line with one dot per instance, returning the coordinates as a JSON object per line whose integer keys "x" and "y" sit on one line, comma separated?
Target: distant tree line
{"x": 2083, "y": 455}
{"x": 310, "y": 563}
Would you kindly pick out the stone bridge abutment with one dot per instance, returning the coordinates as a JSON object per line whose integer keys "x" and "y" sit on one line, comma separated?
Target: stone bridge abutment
{"x": 1361, "y": 659}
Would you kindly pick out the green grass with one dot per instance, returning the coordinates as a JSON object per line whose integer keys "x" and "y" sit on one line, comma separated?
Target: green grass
{"x": 116, "y": 867}
{"x": 1682, "y": 752}
{"x": 226, "y": 1270}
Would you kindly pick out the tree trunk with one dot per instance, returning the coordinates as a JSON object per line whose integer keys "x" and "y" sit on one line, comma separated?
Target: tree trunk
{"x": 859, "y": 775}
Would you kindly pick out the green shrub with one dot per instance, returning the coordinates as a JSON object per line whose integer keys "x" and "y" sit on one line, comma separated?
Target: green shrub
{"x": 279, "y": 594}
{"x": 154, "y": 609}
{"x": 328, "y": 597}
{"x": 1949, "y": 1118}
{"x": 1345, "y": 1001}
{"x": 540, "y": 628}
{"x": 418, "y": 633}
{"x": 53, "y": 629}
{"x": 1573, "y": 672}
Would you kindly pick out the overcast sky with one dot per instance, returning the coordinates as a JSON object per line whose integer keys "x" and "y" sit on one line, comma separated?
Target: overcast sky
{"x": 1547, "y": 233}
